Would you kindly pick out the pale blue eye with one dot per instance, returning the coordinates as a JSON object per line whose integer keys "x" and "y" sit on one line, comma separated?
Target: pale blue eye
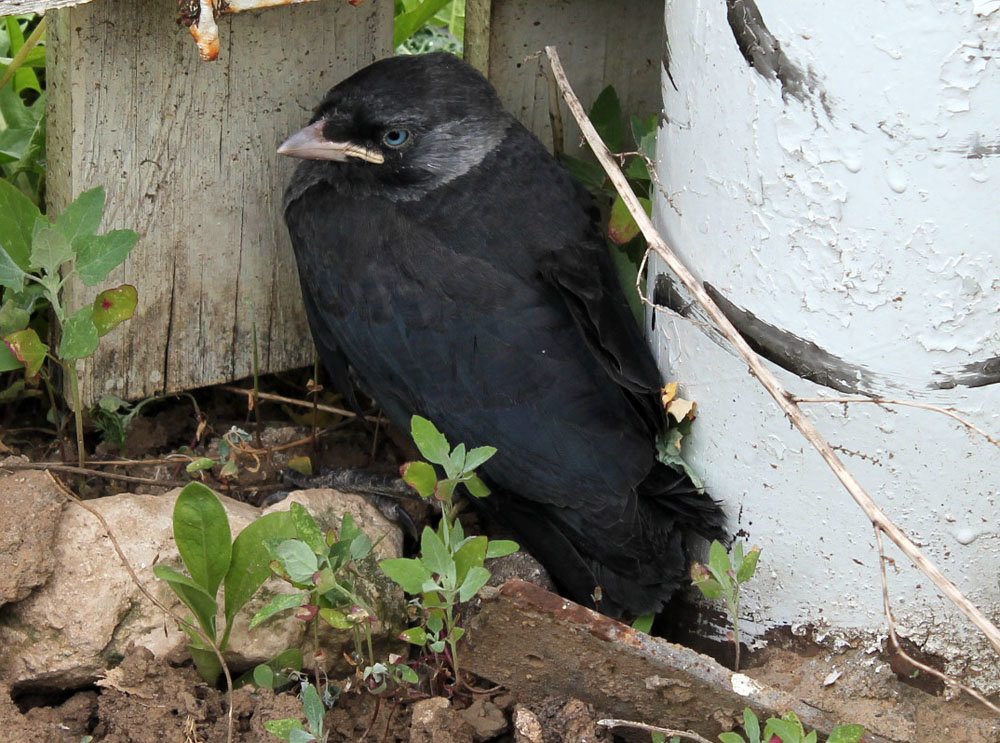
{"x": 396, "y": 137}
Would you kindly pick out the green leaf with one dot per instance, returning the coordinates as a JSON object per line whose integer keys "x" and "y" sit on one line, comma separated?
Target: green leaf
{"x": 644, "y": 132}
{"x": 199, "y": 465}
{"x": 196, "y": 598}
{"x": 361, "y": 546}
{"x": 731, "y": 738}
{"x": 606, "y": 115}
{"x": 476, "y": 487}
{"x": 301, "y": 464}
{"x": 17, "y": 222}
{"x": 415, "y": 636}
{"x": 406, "y": 674}
{"x": 249, "y": 566}
{"x": 206, "y": 661}
{"x": 83, "y": 215}
{"x": 420, "y": 476}
{"x": 718, "y": 558}
{"x": 430, "y": 441}
{"x": 301, "y": 736}
{"x": 112, "y": 307}
{"x": 281, "y": 602}
{"x": 410, "y": 22}
{"x": 201, "y": 530}
{"x": 476, "y": 457}
{"x": 263, "y": 676}
{"x": 314, "y": 709}
{"x": 501, "y": 547}
{"x": 298, "y": 560}
{"x": 283, "y": 728}
{"x": 28, "y": 349}
{"x": 627, "y": 271}
{"x": 751, "y": 725}
{"x": 307, "y": 530}
{"x": 623, "y": 228}
{"x": 49, "y": 250}
{"x": 79, "y": 335}
{"x": 749, "y": 565}
{"x": 710, "y": 588}
{"x": 475, "y": 580}
{"x": 11, "y": 275}
{"x": 97, "y": 255}
{"x": 434, "y": 555}
{"x": 336, "y": 619}
{"x": 470, "y": 555}
{"x": 644, "y": 623}
{"x": 846, "y": 734}
{"x": 591, "y": 175}
{"x": 455, "y": 466}
{"x": 408, "y": 573}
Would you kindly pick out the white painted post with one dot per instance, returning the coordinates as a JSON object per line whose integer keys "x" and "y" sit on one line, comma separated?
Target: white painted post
{"x": 830, "y": 170}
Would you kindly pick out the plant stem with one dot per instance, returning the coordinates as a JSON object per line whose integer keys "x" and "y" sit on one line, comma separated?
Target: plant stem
{"x": 74, "y": 384}
{"x": 22, "y": 53}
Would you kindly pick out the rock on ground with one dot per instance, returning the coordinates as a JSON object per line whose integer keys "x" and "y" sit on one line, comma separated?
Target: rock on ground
{"x": 88, "y": 611}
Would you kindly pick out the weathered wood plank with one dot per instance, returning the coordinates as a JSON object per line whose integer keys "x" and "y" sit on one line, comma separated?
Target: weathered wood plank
{"x": 10, "y": 7}
{"x": 186, "y": 151}
{"x": 600, "y": 43}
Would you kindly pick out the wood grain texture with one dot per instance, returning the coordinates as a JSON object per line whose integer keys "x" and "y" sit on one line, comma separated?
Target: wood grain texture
{"x": 618, "y": 43}
{"x": 186, "y": 151}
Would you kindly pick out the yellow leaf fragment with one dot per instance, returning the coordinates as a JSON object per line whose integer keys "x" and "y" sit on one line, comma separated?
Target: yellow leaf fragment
{"x": 668, "y": 393}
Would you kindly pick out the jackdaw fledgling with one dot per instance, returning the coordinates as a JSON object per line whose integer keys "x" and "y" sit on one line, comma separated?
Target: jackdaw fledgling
{"x": 453, "y": 269}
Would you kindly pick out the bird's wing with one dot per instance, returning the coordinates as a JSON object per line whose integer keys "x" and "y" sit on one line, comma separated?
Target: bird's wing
{"x": 584, "y": 276}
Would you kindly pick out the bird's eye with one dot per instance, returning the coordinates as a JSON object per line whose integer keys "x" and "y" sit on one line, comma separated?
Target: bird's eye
{"x": 396, "y": 137}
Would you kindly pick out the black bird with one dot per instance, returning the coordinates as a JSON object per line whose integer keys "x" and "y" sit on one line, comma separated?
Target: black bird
{"x": 454, "y": 269}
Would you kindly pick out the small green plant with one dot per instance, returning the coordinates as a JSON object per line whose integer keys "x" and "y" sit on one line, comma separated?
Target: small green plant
{"x": 718, "y": 579}
{"x": 787, "y": 729}
{"x": 22, "y": 104}
{"x": 232, "y": 445}
{"x": 292, "y": 729}
{"x": 450, "y": 568}
{"x": 214, "y": 560}
{"x": 429, "y": 26}
{"x": 322, "y": 567}
{"x": 38, "y": 256}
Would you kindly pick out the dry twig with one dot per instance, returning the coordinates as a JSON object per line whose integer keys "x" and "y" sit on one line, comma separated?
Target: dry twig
{"x": 784, "y": 400}
{"x": 950, "y": 412}
{"x": 689, "y": 734}
{"x": 891, "y": 623}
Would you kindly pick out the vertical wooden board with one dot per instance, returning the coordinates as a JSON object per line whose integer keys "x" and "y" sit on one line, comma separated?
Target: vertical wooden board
{"x": 186, "y": 152}
{"x": 600, "y": 43}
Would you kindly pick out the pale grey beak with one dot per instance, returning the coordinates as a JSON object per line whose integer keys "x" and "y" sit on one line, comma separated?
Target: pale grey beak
{"x": 309, "y": 144}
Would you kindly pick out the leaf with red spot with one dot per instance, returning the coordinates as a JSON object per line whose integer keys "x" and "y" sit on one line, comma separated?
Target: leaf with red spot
{"x": 27, "y": 348}
{"x": 623, "y": 228}
{"x": 113, "y": 307}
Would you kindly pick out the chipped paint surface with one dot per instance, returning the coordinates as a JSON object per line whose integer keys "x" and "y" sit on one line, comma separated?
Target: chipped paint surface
{"x": 859, "y": 220}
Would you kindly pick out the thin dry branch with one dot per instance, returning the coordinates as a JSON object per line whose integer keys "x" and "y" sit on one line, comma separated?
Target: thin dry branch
{"x": 74, "y": 498}
{"x": 250, "y": 394}
{"x": 890, "y": 620}
{"x": 759, "y": 369}
{"x": 689, "y": 734}
{"x": 950, "y": 412}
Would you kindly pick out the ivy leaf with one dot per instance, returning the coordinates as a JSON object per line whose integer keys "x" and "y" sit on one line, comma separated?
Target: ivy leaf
{"x": 606, "y": 115}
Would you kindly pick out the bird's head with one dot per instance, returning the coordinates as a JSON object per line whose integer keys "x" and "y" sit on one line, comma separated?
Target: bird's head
{"x": 415, "y": 121}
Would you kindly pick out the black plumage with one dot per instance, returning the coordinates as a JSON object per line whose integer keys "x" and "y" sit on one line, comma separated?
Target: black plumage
{"x": 455, "y": 270}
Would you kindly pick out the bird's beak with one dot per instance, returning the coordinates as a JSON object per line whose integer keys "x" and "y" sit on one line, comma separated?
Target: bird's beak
{"x": 310, "y": 144}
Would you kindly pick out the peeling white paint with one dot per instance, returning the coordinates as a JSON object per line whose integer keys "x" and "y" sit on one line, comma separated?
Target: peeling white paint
{"x": 863, "y": 220}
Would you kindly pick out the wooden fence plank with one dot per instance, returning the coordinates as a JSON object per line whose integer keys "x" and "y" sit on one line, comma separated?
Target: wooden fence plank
{"x": 186, "y": 151}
